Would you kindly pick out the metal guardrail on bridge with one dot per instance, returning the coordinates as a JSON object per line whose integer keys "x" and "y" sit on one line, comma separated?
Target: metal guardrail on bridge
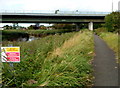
{"x": 52, "y": 12}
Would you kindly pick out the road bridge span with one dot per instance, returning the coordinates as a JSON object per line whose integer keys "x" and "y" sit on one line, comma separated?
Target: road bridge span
{"x": 54, "y": 18}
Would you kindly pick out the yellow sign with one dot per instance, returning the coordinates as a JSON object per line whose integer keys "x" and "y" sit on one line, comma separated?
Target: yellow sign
{"x": 10, "y": 54}
{"x": 12, "y": 49}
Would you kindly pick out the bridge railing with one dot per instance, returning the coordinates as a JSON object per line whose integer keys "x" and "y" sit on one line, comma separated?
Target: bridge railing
{"x": 26, "y": 11}
{"x": 81, "y": 12}
{"x": 52, "y": 12}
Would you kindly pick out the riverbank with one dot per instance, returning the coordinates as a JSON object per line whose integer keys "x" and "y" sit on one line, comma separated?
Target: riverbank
{"x": 14, "y": 35}
{"x": 55, "y": 60}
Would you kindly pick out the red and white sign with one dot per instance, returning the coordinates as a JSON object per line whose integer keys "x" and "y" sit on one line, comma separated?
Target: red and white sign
{"x": 10, "y": 54}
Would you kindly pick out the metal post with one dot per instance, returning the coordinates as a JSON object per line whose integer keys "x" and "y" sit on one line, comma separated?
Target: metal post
{"x": 10, "y": 63}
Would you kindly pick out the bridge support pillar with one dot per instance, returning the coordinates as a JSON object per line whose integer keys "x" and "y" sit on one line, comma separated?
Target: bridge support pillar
{"x": 77, "y": 27}
{"x": 15, "y": 26}
{"x": 37, "y": 25}
{"x": 90, "y": 26}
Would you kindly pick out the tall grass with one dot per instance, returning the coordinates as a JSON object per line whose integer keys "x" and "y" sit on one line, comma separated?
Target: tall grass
{"x": 59, "y": 60}
{"x": 32, "y": 56}
{"x": 112, "y": 40}
{"x": 69, "y": 65}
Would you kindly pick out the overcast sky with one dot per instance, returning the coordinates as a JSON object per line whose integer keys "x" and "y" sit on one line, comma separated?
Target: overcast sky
{"x": 62, "y": 5}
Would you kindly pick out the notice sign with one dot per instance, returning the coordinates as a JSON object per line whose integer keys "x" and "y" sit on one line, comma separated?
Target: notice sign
{"x": 10, "y": 54}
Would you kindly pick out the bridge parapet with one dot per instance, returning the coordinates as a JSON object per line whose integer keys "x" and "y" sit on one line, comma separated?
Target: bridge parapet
{"x": 53, "y": 12}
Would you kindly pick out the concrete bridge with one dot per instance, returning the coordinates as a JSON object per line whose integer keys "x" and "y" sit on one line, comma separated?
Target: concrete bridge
{"x": 76, "y": 18}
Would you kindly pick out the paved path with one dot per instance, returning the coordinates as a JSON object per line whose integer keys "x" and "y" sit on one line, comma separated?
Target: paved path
{"x": 105, "y": 66}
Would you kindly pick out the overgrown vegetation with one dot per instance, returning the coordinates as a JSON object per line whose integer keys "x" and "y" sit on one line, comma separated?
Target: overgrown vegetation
{"x": 59, "y": 60}
{"x": 112, "y": 40}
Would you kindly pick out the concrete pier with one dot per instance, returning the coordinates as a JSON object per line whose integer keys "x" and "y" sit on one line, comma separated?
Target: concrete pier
{"x": 37, "y": 24}
{"x": 90, "y": 26}
{"x": 77, "y": 27}
{"x": 15, "y": 25}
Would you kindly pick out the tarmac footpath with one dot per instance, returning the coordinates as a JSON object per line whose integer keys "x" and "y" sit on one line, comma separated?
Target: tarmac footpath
{"x": 105, "y": 66}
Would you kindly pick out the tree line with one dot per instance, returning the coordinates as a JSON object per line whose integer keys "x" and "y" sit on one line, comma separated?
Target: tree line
{"x": 54, "y": 26}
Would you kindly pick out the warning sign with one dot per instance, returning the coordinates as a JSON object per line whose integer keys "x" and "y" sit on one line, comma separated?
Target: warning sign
{"x": 10, "y": 54}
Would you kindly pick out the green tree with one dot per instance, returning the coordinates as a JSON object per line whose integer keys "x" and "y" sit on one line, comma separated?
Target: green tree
{"x": 33, "y": 27}
{"x": 112, "y": 21}
{"x": 8, "y": 27}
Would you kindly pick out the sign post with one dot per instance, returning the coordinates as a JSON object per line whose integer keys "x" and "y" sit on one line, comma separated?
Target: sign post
{"x": 10, "y": 55}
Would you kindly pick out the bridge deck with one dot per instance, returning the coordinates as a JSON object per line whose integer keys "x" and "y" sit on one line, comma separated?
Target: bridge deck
{"x": 52, "y": 17}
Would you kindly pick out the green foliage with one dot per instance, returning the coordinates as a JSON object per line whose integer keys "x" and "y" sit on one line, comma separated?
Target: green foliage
{"x": 70, "y": 64}
{"x": 32, "y": 57}
{"x": 98, "y": 25}
{"x": 83, "y": 26}
{"x": 33, "y": 27}
{"x": 73, "y": 26}
{"x": 98, "y": 31}
{"x": 59, "y": 60}
{"x": 8, "y": 27}
{"x": 112, "y": 21}
{"x": 64, "y": 26}
{"x": 47, "y": 32}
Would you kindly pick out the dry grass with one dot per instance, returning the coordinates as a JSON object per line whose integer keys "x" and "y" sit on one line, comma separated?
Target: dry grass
{"x": 67, "y": 44}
